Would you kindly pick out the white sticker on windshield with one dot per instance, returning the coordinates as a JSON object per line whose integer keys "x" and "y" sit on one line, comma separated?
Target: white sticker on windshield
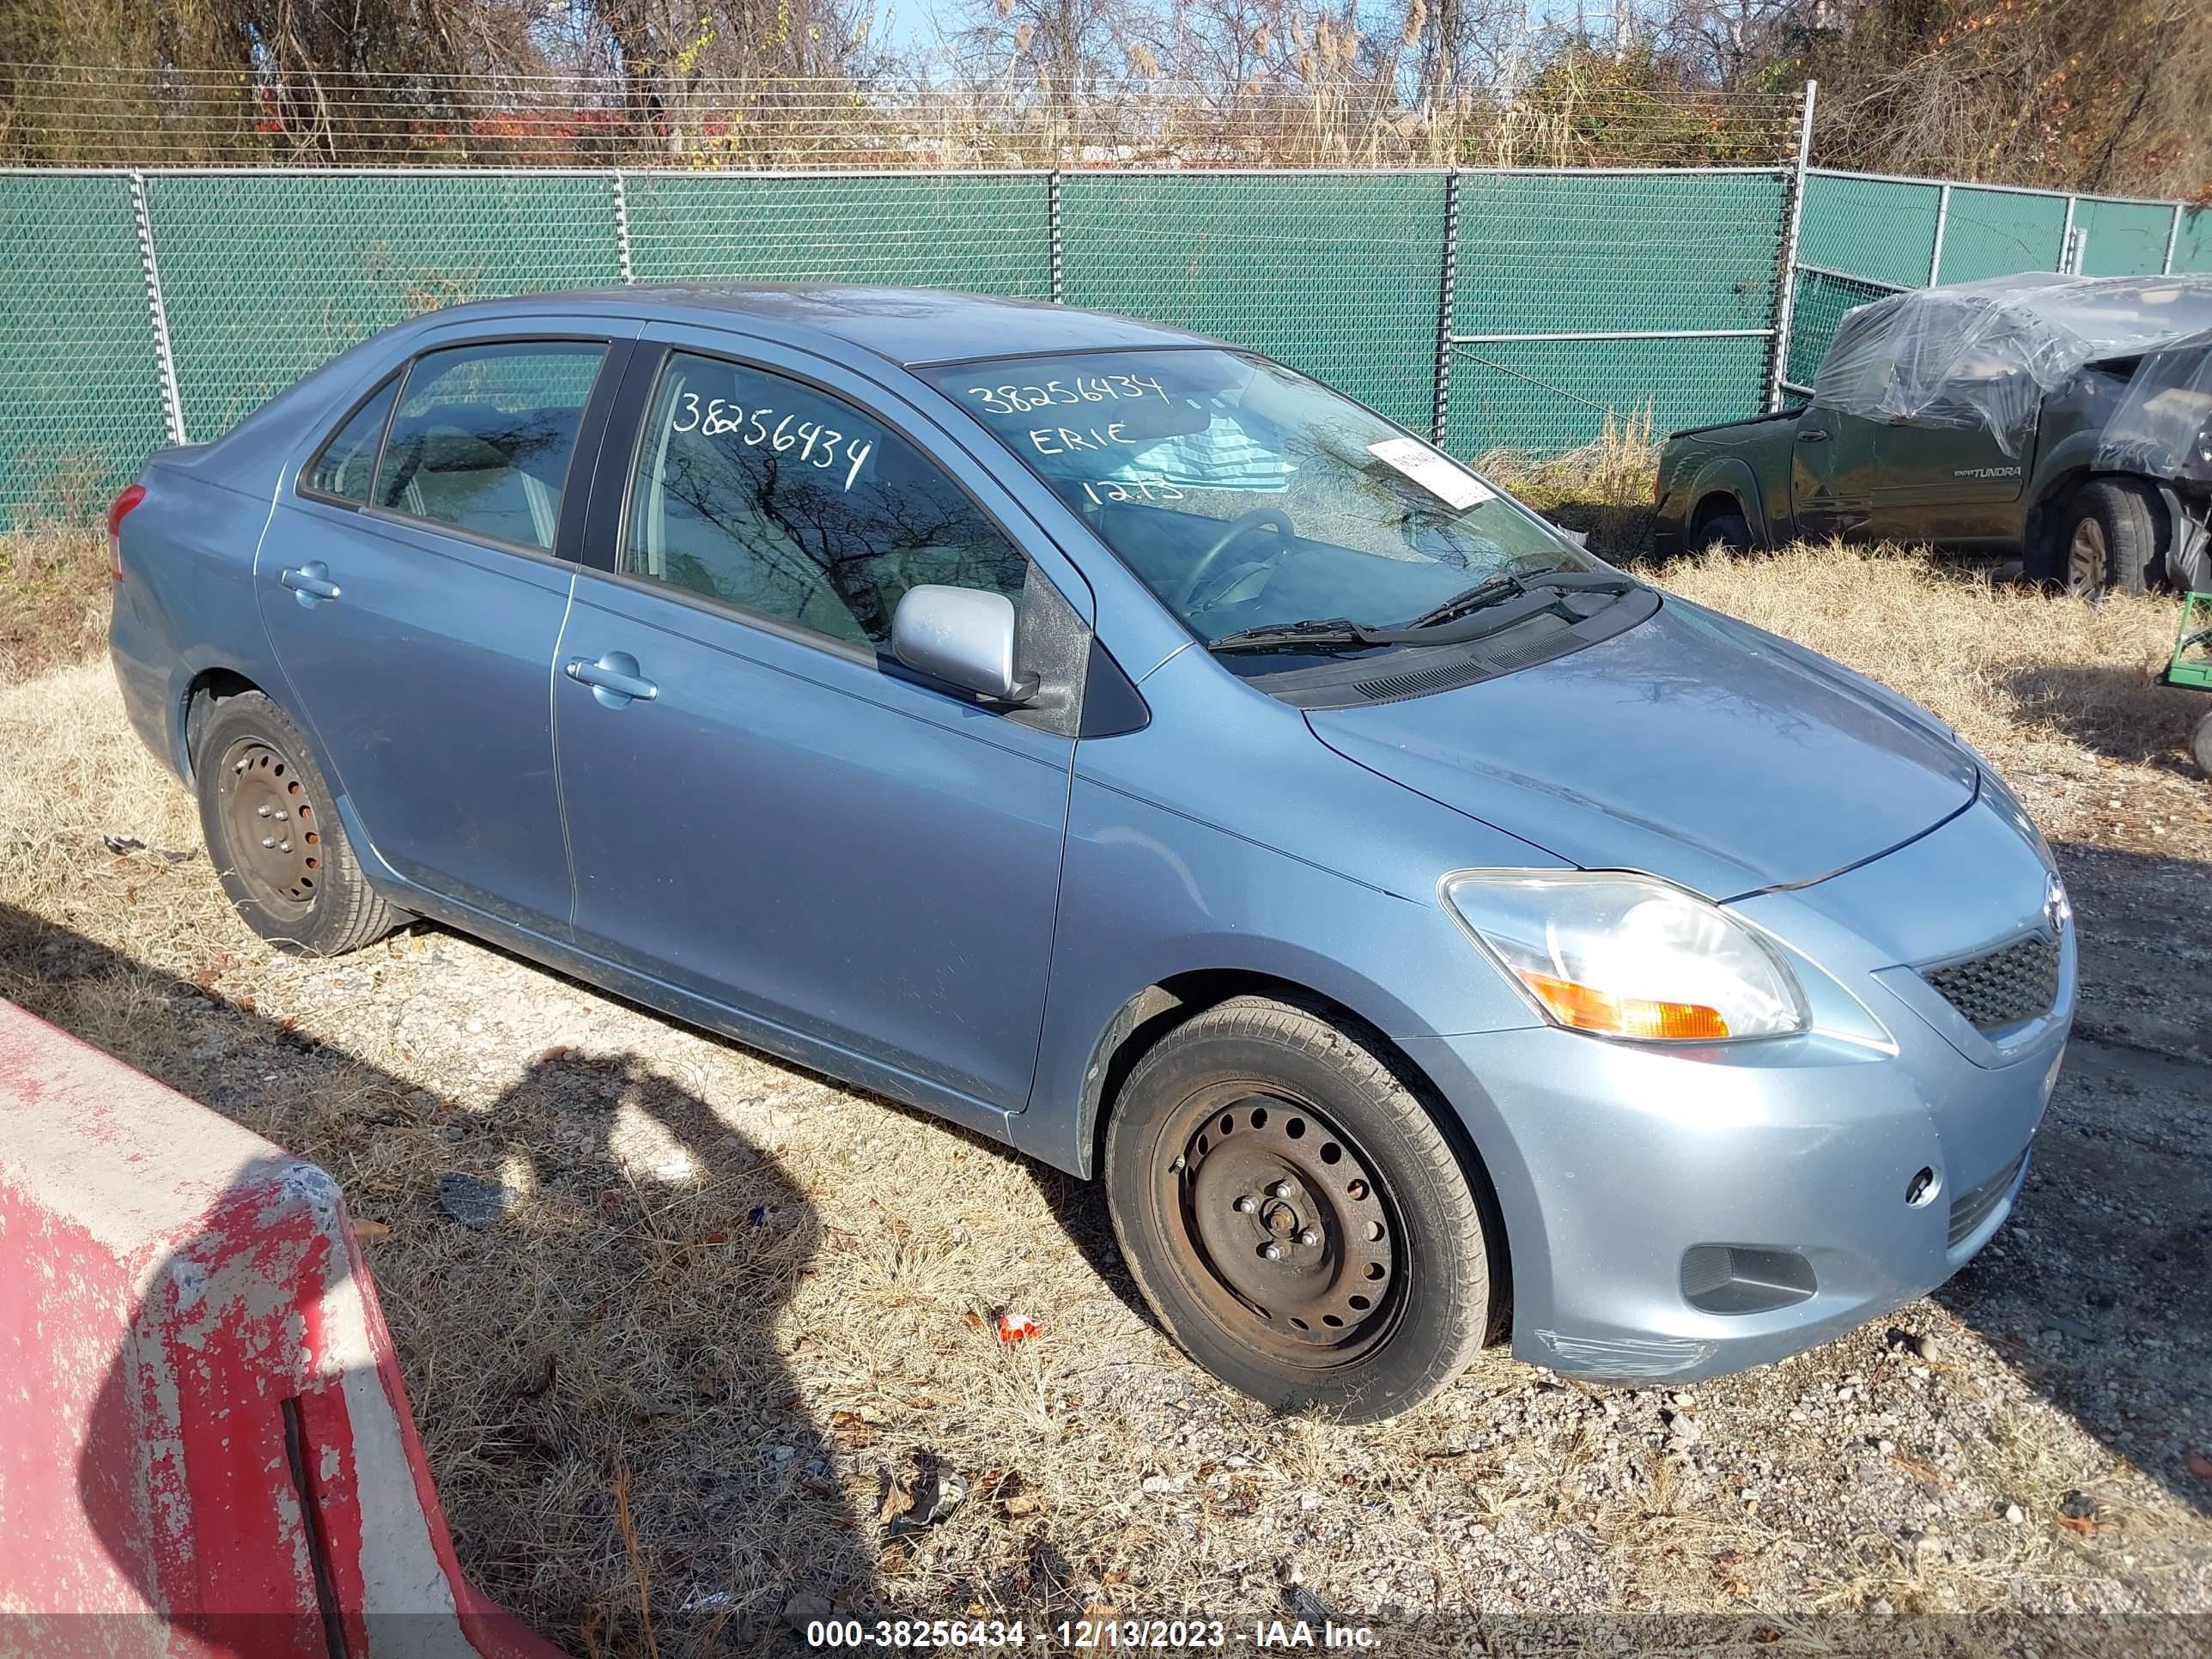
{"x": 1441, "y": 476}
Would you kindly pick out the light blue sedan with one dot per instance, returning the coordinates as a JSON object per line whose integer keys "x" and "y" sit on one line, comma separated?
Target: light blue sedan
{"x": 1116, "y": 743}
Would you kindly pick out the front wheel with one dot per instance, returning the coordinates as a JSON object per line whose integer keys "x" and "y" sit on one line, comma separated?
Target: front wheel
{"x": 2108, "y": 539}
{"x": 1296, "y": 1216}
{"x": 2200, "y": 745}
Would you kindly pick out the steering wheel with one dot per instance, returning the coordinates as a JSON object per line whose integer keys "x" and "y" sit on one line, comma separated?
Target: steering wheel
{"x": 1237, "y": 529}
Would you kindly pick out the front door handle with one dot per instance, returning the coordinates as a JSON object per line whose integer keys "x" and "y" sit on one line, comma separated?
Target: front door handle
{"x": 614, "y": 679}
{"x": 310, "y": 583}
{"x": 1811, "y": 434}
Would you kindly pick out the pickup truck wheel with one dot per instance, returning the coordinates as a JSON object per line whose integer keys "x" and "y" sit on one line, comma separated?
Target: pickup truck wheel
{"x": 1729, "y": 531}
{"x": 1294, "y": 1214}
{"x": 2110, "y": 538}
{"x": 275, "y": 837}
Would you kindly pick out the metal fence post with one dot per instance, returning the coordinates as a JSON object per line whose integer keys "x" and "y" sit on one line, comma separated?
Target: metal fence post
{"x": 2069, "y": 263}
{"x": 1447, "y": 303}
{"x": 1785, "y": 288}
{"x": 1052, "y": 226}
{"x": 1942, "y": 223}
{"x": 2172, "y": 241}
{"x": 622, "y": 226}
{"x": 164, "y": 360}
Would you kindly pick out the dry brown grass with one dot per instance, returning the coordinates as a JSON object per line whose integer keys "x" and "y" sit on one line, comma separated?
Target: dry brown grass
{"x": 733, "y": 1302}
{"x": 1601, "y": 488}
{"x": 2061, "y": 694}
{"x": 53, "y": 600}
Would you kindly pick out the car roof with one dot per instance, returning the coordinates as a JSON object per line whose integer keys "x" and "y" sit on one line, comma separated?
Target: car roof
{"x": 909, "y": 326}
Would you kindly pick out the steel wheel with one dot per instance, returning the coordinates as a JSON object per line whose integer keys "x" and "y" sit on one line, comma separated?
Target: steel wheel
{"x": 2088, "y": 557}
{"x": 1287, "y": 1237}
{"x": 270, "y": 826}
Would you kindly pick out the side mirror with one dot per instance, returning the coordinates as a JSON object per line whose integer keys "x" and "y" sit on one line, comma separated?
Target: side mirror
{"x": 962, "y": 636}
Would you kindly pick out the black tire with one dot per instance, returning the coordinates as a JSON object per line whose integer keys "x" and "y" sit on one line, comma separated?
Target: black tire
{"x": 302, "y": 889}
{"x": 2200, "y": 745}
{"x": 1730, "y": 532}
{"x": 2110, "y": 538}
{"x": 1381, "y": 1289}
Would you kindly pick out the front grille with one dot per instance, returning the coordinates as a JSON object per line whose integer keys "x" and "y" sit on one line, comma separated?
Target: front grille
{"x": 2013, "y": 982}
{"x": 1970, "y": 1209}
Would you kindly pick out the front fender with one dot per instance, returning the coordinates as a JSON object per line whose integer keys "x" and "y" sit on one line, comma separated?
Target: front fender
{"x": 1148, "y": 895}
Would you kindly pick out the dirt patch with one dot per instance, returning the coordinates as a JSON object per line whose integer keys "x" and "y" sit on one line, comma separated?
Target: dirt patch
{"x": 722, "y": 1307}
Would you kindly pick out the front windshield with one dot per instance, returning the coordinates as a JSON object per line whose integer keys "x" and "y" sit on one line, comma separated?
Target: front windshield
{"x": 1248, "y": 497}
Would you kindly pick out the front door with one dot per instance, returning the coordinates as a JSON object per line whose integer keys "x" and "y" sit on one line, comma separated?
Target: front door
{"x": 764, "y": 809}
{"x": 411, "y": 595}
{"x": 1953, "y": 475}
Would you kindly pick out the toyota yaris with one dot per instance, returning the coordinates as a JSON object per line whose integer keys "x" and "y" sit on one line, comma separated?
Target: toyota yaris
{"x": 1115, "y": 742}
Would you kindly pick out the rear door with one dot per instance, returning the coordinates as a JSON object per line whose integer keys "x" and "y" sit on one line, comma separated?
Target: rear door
{"x": 1832, "y": 463}
{"x": 1831, "y": 475}
{"x": 412, "y": 591}
{"x": 767, "y": 810}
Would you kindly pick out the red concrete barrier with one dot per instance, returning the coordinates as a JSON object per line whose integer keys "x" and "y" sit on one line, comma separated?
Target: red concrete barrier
{"x": 205, "y": 1447}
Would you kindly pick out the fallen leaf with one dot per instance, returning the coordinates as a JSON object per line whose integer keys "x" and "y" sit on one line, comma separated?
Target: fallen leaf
{"x": 2080, "y": 1524}
{"x": 365, "y": 1229}
{"x": 2199, "y": 1464}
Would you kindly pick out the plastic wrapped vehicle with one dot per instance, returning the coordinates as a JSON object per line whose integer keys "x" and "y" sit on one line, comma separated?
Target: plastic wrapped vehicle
{"x": 2064, "y": 419}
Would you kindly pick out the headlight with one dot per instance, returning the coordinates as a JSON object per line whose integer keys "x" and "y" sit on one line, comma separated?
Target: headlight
{"x": 1626, "y": 955}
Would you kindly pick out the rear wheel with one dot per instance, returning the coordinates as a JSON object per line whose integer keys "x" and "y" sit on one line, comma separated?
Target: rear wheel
{"x": 2109, "y": 538}
{"x": 2200, "y": 745}
{"x": 1295, "y": 1215}
{"x": 1729, "y": 532}
{"x": 274, "y": 834}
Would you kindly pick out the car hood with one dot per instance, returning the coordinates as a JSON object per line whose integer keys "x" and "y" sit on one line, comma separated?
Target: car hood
{"x": 1692, "y": 747}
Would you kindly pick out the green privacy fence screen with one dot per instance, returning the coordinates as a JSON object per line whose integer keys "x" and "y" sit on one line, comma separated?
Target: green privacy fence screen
{"x": 1495, "y": 308}
{"x": 1337, "y": 274}
{"x": 1650, "y": 295}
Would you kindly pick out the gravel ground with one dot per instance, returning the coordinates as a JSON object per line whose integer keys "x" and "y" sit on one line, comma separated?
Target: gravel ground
{"x": 722, "y": 1320}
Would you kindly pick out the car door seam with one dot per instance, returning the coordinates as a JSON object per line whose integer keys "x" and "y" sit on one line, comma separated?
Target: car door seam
{"x": 1052, "y": 932}
{"x": 553, "y": 736}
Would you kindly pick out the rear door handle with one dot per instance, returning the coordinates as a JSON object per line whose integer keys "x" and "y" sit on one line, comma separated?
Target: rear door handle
{"x": 310, "y": 581}
{"x": 614, "y": 679}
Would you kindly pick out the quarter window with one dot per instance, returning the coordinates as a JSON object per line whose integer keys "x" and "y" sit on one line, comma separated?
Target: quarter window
{"x": 342, "y": 469}
{"x": 482, "y": 437}
{"x": 784, "y": 501}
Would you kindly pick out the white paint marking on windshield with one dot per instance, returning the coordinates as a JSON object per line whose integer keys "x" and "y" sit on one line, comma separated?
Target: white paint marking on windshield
{"x": 1441, "y": 476}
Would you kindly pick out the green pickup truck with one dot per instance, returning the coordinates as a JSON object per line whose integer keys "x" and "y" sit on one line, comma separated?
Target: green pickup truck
{"x": 2065, "y": 421}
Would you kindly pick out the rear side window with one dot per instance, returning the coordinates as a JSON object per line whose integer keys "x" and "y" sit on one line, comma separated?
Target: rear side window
{"x": 341, "y": 470}
{"x": 482, "y": 434}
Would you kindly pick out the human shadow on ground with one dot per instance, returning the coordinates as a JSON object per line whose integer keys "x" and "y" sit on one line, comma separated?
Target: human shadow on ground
{"x": 2120, "y": 713}
{"x": 580, "y": 1278}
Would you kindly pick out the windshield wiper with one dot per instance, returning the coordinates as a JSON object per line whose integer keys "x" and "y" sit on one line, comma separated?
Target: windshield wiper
{"x": 1503, "y": 602}
{"x": 1500, "y": 589}
{"x": 1321, "y": 634}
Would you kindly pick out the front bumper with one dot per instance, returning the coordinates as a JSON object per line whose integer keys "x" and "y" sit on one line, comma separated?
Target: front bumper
{"x": 1613, "y": 1160}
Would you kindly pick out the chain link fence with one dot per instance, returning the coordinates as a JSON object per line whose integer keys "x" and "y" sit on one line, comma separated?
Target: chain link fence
{"x": 1493, "y": 307}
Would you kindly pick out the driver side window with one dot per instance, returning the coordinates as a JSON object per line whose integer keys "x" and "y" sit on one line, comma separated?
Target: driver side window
{"x": 779, "y": 499}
